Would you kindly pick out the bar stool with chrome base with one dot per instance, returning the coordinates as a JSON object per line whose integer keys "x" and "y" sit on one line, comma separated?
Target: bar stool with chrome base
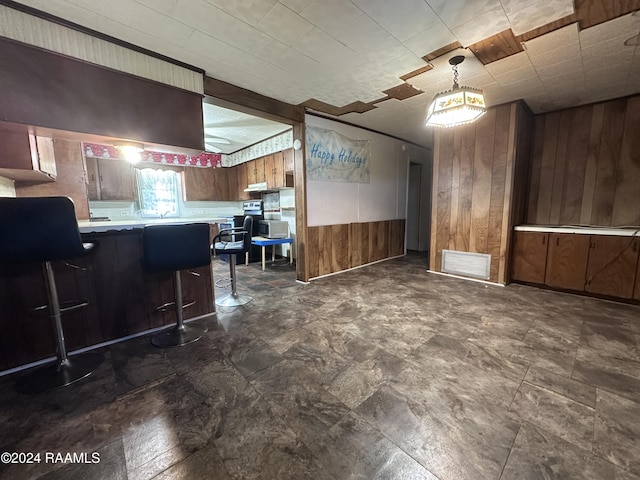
{"x": 228, "y": 243}
{"x": 45, "y": 229}
{"x": 171, "y": 248}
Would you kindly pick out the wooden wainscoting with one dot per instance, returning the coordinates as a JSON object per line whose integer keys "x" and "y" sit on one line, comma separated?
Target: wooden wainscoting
{"x": 584, "y": 167}
{"x": 333, "y": 248}
{"x": 476, "y": 193}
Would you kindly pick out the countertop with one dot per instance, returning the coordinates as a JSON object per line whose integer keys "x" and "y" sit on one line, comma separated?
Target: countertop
{"x": 90, "y": 226}
{"x": 615, "y": 231}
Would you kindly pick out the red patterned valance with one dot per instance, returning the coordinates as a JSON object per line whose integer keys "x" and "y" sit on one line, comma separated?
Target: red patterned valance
{"x": 204, "y": 159}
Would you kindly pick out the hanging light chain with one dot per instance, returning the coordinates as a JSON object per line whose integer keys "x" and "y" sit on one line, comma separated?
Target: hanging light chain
{"x": 455, "y": 76}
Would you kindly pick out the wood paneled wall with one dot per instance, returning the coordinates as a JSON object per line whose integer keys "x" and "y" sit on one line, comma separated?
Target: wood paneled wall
{"x": 585, "y": 166}
{"x": 475, "y": 189}
{"x": 333, "y": 248}
{"x": 70, "y": 179}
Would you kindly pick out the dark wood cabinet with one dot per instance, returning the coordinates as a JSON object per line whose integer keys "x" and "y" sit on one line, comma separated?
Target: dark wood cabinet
{"x": 612, "y": 265}
{"x": 636, "y": 292}
{"x": 242, "y": 181}
{"x": 220, "y": 184}
{"x": 198, "y": 184}
{"x": 288, "y": 159}
{"x": 123, "y": 300}
{"x": 606, "y": 265}
{"x": 26, "y": 157}
{"x": 255, "y": 171}
{"x": 110, "y": 179}
{"x": 567, "y": 261}
{"x": 529, "y": 256}
{"x": 274, "y": 170}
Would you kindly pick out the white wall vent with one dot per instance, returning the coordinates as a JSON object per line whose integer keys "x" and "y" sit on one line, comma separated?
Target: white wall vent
{"x": 466, "y": 263}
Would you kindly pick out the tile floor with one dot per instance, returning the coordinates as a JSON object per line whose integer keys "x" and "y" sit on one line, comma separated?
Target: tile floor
{"x": 385, "y": 372}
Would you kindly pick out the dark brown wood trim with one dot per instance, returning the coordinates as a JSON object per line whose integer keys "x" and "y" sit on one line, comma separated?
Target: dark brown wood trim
{"x": 258, "y": 104}
{"x": 94, "y": 33}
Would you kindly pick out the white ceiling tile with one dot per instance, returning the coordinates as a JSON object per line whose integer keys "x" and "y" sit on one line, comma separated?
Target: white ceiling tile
{"x": 327, "y": 50}
{"x": 331, "y": 16}
{"x": 297, "y": 5}
{"x": 365, "y": 36}
{"x": 525, "y": 15}
{"x": 430, "y": 40}
{"x": 458, "y": 12}
{"x": 162, "y": 6}
{"x": 615, "y": 31}
{"x": 285, "y": 25}
{"x": 519, "y": 63}
{"x": 554, "y": 43}
{"x": 485, "y": 25}
{"x": 217, "y": 23}
{"x": 249, "y": 11}
{"x": 401, "y": 18}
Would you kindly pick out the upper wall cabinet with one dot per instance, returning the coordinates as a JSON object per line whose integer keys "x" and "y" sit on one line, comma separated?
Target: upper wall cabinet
{"x": 25, "y": 156}
{"x": 45, "y": 89}
{"x": 110, "y": 179}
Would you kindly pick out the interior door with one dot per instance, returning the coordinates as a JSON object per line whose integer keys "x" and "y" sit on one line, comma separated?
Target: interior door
{"x": 413, "y": 207}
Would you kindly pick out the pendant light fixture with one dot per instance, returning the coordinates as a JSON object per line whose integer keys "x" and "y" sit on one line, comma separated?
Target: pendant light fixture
{"x": 457, "y": 106}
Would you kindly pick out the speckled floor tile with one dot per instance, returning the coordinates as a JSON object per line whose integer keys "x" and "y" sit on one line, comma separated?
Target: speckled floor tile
{"x": 617, "y": 431}
{"x": 557, "y": 414}
{"x": 537, "y": 454}
{"x": 384, "y": 372}
{"x": 354, "y": 449}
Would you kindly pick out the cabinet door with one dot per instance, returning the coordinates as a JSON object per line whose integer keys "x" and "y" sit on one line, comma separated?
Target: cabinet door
{"x": 255, "y": 171}
{"x": 529, "y": 260}
{"x": 232, "y": 184}
{"x": 198, "y": 184}
{"x": 269, "y": 170}
{"x": 116, "y": 180}
{"x": 220, "y": 184}
{"x": 612, "y": 265}
{"x": 567, "y": 261}
{"x": 26, "y": 157}
{"x": 242, "y": 181}
{"x": 288, "y": 159}
{"x": 636, "y": 293}
{"x": 93, "y": 185}
{"x": 278, "y": 170}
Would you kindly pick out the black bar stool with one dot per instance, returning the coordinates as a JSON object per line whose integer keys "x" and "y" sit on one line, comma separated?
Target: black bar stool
{"x": 45, "y": 229}
{"x": 171, "y": 248}
{"x": 233, "y": 241}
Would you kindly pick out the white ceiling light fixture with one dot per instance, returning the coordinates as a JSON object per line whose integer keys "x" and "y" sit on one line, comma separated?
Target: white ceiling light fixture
{"x": 131, "y": 151}
{"x": 457, "y": 106}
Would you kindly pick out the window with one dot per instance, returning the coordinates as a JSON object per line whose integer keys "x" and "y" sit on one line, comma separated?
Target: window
{"x": 158, "y": 192}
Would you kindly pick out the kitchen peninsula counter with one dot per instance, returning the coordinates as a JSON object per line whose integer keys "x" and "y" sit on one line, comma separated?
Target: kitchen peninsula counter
{"x": 99, "y": 226}
{"x": 123, "y": 299}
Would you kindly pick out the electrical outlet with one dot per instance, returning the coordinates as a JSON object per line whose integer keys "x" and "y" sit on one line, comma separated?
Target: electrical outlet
{"x": 124, "y": 214}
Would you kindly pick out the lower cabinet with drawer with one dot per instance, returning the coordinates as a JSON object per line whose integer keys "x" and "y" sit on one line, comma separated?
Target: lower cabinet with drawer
{"x": 605, "y": 265}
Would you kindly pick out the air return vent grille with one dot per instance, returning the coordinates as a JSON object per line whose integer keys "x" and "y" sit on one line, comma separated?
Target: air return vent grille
{"x": 465, "y": 263}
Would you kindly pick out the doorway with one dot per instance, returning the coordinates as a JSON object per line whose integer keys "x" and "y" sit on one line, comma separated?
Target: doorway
{"x": 413, "y": 206}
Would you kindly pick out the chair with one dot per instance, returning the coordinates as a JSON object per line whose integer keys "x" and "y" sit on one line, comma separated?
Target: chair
{"x": 228, "y": 243}
{"x": 171, "y": 248}
{"x": 45, "y": 229}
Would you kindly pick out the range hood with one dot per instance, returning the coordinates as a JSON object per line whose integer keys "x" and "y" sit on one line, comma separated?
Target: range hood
{"x": 257, "y": 187}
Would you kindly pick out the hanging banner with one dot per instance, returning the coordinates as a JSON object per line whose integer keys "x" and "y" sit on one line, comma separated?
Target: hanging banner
{"x": 332, "y": 157}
